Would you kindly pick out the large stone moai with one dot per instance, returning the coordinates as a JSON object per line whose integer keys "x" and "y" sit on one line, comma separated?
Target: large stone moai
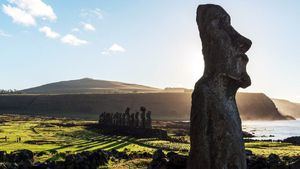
{"x": 136, "y": 120}
{"x": 101, "y": 119}
{"x": 127, "y": 116}
{"x": 131, "y": 121}
{"x": 123, "y": 119}
{"x": 148, "y": 120}
{"x": 143, "y": 116}
{"x": 216, "y": 133}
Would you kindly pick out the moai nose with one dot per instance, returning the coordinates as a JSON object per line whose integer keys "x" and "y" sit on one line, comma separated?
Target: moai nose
{"x": 244, "y": 44}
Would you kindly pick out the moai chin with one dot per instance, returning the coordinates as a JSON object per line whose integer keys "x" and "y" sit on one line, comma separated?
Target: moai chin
{"x": 216, "y": 133}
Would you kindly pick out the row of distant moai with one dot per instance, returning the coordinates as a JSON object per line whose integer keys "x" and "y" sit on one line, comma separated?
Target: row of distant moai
{"x": 127, "y": 119}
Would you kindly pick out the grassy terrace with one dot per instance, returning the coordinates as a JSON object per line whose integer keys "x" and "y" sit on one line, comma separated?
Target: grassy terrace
{"x": 61, "y": 135}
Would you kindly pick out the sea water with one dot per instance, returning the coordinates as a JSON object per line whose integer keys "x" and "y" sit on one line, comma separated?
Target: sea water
{"x": 274, "y": 130}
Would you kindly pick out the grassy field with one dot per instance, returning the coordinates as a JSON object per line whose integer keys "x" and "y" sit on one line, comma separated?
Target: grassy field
{"x": 53, "y": 136}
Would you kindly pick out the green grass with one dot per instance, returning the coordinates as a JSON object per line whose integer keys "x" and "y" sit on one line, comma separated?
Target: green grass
{"x": 49, "y": 135}
{"x": 267, "y": 148}
{"x": 70, "y": 136}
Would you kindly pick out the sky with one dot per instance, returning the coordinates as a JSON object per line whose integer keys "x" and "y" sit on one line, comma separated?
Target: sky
{"x": 153, "y": 43}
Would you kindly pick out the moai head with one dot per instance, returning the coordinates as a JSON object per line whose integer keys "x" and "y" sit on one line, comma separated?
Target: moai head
{"x": 143, "y": 109}
{"x": 127, "y": 110}
{"x": 222, "y": 46}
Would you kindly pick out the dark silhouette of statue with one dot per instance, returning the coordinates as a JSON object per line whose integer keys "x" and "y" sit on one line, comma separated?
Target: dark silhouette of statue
{"x": 143, "y": 118}
{"x": 122, "y": 119}
{"x": 132, "y": 121}
{"x": 101, "y": 118}
{"x": 127, "y": 116}
{"x": 114, "y": 119}
{"x": 118, "y": 119}
{"x": 136, "y": 120}
{"x": 216, "y": 133}
{"x": 107, "y": 119}
{"x": 148, "y": 120}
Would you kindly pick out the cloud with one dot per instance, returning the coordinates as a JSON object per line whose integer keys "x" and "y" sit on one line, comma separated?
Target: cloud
{"x": 91, "y": 13}
{"x": 73, "y": 40}
{"x": 88, "y": 27}
{"x": 113, "y": 49}
{"x": 19, "y": 16}
{"x": 75, "y": 30}
{"x": 49, "y": 32}
{"x": 26, "y": 11}
{"x": 2, "y": 33}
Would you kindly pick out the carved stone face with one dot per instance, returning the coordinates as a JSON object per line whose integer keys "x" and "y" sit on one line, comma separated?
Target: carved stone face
{"x": 223, "y": 47}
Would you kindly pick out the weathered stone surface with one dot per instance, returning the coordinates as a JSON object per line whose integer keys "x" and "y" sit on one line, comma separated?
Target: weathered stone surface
{"x": 216, "y": 134}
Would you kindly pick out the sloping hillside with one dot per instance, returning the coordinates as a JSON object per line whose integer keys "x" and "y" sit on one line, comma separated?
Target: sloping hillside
{"x": 164, "y": 106}
{"x": 87, "y": 85}
{"x": 257, "y": 106}
{"x": 288, "y": 108}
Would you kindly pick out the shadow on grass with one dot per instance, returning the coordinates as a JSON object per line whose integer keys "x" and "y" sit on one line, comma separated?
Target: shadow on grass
{"x": 89, "y": 139}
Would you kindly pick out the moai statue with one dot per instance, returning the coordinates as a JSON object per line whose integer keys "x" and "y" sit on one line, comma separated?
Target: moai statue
{"x": 127, "y": 118}
{"x": 122, "y": 119}
{"x": 131, "y": 121}
{"x": 114, "y": 119}
{"x": 215, "y": 131}
{"x": 136, "y": 120}
{"x": 148, "y": 120}
{"x": 143, "y": 118}
{"x": 106, "y": 118}
{"x": 102, "y": 119}
{"x": 117, "y": 119}
{"x": 110, "y": 119}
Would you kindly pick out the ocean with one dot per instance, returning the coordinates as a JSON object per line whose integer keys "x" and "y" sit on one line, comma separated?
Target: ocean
{"x": 275, "y": 130}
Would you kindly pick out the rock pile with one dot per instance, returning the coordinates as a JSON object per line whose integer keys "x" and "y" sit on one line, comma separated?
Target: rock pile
{"x": 170, "y": 161}
{"x": 174, "y": 161}
{"x": 24, "y": 159}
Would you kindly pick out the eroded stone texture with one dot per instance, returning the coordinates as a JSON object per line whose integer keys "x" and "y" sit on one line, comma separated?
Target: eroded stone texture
{"x": 216, "y": 134}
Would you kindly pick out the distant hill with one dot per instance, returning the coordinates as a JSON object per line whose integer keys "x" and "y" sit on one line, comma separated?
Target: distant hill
{"x": 86, "y": 98}
{"x": 288, "y": 108}
{"x": 89, "y": 86}
{"x": 255, "y": 106}
{"x": 164, "y": 106}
